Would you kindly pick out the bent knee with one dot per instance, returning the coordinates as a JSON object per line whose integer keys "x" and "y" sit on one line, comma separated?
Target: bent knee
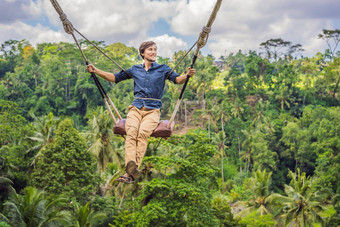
{"x": 144, "y": 134}
{"x": 132, "y": 131}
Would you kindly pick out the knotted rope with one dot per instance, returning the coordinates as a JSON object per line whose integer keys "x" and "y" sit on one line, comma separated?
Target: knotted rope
{"x": 69, "y": 29}
{"x": 202, "y": 40}
{"x": 204, "y": 35}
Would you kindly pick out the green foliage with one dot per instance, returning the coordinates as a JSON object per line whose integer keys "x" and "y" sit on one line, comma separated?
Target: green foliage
{"x": 254, "y": 220}
{"x": 5, "y": 187}
{"x": 300, "y": 204}
{"x": 14, "y": 130}
{"x": 277, "y": 49}
{"x": 316, "y": 142}
{"x": 124, "y": 219}
{"x": 332, "y": 37}
{"x": 10, "y": 55}
{"x": 260, "y": 199}
{"x": 182, "y": 195}
{"x": 259, "y": 72}
{"x": 13, "y": 126}
{"x": 222, "y": 211}
{"x": 230, "y": 170}
{"x": 35, "y": 208}
{"x": 100, "y": 140}
{"x": 4, "y": 224}
{"x": 86, "y": 217}
{"x": 275, "y": 113}
{"x": 65, "y": 166}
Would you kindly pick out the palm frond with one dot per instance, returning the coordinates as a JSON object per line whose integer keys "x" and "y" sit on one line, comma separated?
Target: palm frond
{"x": 5, "y": 180}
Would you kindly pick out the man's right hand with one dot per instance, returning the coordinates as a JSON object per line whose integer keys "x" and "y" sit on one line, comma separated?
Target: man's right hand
{"x": 90, "y": 68}
{"x": 106, "y": 75}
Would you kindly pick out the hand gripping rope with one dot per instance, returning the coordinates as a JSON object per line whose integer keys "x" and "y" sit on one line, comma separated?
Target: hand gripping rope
{"x": 69, "y": 29}
{"x": 202, "y": 40}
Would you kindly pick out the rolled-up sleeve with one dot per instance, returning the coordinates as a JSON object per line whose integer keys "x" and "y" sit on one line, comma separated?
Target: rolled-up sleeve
{"x": 172, "y": 76}
{"x": 123, "y": 75}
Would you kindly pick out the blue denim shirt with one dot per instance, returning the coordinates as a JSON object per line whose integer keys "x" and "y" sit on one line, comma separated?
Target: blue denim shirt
{"x": 148, "y": 84}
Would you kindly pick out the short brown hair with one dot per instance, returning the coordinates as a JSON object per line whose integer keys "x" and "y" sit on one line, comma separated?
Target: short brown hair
{"x": 144, "y": 46}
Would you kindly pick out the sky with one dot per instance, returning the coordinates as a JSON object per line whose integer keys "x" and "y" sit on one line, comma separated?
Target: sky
{"x": 174, "y": 24}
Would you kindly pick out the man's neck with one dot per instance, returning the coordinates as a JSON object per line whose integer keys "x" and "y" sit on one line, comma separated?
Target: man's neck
{"x": 147, "y": 64}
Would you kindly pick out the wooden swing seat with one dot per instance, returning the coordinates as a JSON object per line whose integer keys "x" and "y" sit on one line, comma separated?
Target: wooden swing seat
{"x": 161, "y": 130}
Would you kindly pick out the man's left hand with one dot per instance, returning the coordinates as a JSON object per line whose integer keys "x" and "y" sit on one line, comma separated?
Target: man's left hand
{"x": 191, "y": 72}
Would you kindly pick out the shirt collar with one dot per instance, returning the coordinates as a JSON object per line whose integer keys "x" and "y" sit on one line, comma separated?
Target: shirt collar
{"x": 154, "y": 64}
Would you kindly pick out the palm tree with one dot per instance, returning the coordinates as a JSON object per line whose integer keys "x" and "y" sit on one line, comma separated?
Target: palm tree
{"x": 259, "y": 111}
{"x": 83, "y": 90}
{"x": 335, "y": 218}
{"x": 34, "y": 208}
{"x": 86, "y": 217}
{"x": 5, "y": 174}
{"x": 5, "y": 181}
{"x": 300, "y": 204}
{"x": 283, "y": 98}
{"x": 247, "y": 146}
{"x": 237, "y": 108}
{"x": 45, "y": 128}
{"x": 100, "y": 142}
{"x": 219, "y": 112}
{"x": 5, "y": 187}
{"x": 111, "y": 179}
{"x": 262, "y": 202}
{"x": 220, "y": 139}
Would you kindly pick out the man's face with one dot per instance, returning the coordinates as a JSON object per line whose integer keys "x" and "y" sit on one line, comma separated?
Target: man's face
{"x": 150, "y": 53}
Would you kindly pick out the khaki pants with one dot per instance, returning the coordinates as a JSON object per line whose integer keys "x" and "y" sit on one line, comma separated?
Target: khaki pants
{"x": 139, "y": 125}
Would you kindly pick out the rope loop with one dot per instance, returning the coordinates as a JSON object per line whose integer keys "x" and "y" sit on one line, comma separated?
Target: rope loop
{"x": 203, "y": 38}
{"x": 68, "y": 27}
{"x": 63, "y": 17}
{"x": 206, "y": 29}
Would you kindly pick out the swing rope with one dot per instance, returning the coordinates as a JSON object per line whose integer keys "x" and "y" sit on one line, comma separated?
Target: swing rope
{"x": 69, "y": 29}
{"x": 202, "y": 40}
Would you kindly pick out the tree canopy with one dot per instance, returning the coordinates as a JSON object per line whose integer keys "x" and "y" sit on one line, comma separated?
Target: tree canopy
{"x": 256, "y": 141}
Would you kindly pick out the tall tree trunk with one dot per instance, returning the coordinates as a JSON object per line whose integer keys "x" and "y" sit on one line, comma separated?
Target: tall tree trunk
{"x": 336, "y": 87}
{"x": 35, "y": 80}
{"x": 121, "y": 200}
{"x": 203, "y": 101}
{"x": 222, "y": 123}
{"x": 209, "y": 125}
{"x": 186, "y": 115}
{"x": 239, "y": 150}
{"x": 222, "y": 176}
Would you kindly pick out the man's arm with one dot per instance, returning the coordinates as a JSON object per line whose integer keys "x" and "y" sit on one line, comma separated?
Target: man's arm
{"x": 105, "y": 75}
{"x": 181, "y": 79}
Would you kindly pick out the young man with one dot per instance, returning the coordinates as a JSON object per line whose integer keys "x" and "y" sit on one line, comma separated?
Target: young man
{"x": 144, "y": 113}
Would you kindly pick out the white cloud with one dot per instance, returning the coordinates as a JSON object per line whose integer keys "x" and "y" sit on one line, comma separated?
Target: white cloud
{"x": 222, "y": 47}
{"x": 34, "y": 9}
{"x": 190, "y": 18}
{"x": 111, "y": 21}
{"x": 238, "y": 25}
{"x": 19, "y": 10}
{"x": 34, "y": 34}
{"x": 244, "y": 25}
{"x": 167, "y": 45}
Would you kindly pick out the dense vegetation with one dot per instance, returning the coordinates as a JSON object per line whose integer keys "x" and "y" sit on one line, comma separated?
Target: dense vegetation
{"x": 257, "y": 140}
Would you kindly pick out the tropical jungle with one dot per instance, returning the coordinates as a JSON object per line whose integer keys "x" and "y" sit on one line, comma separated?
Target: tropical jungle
{"x": 256, "y": 141}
